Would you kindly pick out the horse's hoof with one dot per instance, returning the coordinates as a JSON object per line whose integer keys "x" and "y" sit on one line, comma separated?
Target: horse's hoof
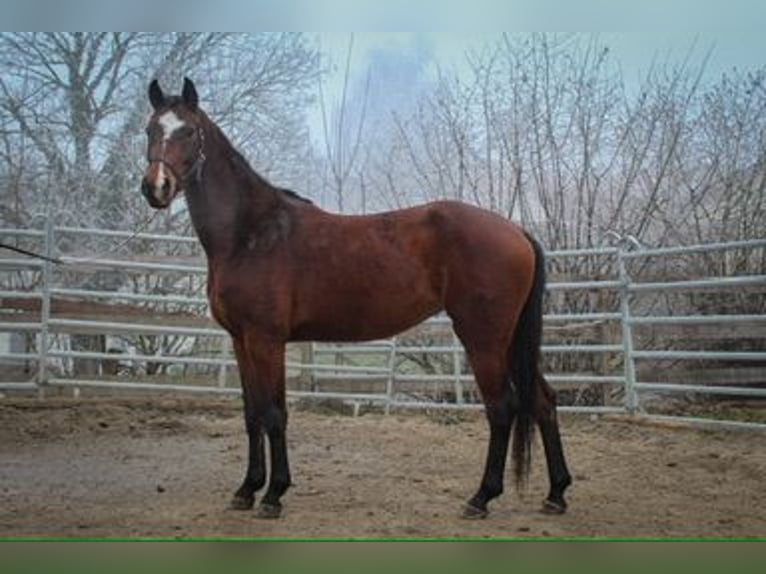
{"x": 553, "y": 507}
{"x": 471, "y": 512}
{"x": 241, "y": 502}
{"x": 270, "y": 511}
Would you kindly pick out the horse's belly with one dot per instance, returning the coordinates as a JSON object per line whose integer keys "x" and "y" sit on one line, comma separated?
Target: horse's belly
{"x": 343, "y": 329}
{"x": 366, "y": 316}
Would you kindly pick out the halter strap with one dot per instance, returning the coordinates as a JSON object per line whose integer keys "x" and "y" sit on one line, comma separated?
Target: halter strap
{"x": 196, "y": 167}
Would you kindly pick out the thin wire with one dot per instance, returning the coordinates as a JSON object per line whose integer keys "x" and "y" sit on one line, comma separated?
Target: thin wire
{"x": 144, "y": 225}
{"x": 31, "y": 254}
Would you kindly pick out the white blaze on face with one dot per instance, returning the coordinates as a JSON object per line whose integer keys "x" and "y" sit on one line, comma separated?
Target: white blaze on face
{"x": 169, "y": 122}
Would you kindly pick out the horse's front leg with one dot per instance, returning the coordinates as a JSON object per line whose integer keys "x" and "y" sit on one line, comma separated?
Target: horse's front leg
{"x": 255, "y": 476}
{"x": 263, "y": 387}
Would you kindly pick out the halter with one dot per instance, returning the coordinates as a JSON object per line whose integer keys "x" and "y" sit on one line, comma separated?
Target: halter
{"x": 196, "y": 167}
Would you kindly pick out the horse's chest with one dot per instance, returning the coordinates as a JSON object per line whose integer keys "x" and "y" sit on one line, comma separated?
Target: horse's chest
{"x": 219, "y": 309}
{"x": 224, "y": 304}
{"x": 239, "y": 302}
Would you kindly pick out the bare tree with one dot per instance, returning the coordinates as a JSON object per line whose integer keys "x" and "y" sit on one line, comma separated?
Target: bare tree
{"x": 73, "y": 106}
{"x": 343, "y": 134}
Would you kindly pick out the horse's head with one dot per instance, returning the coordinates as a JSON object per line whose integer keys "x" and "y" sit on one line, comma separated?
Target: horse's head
{"x": 175, "y": 148}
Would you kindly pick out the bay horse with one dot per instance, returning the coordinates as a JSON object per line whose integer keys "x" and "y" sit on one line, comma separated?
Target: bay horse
{"x": 281, "y": 269}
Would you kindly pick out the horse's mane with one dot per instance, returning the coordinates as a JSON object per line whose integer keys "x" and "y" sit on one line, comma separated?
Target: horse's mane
{"x": 293, "y": 195}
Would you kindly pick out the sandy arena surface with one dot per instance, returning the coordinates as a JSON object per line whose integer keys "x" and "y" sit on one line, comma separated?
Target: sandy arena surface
{"x": 167, "y": 467}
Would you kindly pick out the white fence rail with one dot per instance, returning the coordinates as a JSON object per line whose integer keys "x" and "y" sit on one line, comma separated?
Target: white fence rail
{"x": 380, "y": 363}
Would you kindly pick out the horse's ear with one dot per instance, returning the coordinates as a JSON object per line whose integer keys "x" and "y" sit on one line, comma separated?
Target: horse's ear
{"x": 189, "y": 93}
{"x": 156, "y": 97}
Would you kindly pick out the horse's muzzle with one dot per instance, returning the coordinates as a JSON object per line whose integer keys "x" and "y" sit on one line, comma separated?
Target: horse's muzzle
{"x": 158, "y": 197}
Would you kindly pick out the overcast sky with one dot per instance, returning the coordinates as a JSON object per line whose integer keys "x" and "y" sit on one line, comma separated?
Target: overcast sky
{"x": 634, "y": 49}
{"x": 401, "y": 63}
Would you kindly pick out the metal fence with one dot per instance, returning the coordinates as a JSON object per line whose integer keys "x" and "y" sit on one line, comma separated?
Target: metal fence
{"x": 376, "y": 372}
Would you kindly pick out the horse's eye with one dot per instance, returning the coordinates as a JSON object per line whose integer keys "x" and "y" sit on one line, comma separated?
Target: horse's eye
{"x": 186, "y": 131}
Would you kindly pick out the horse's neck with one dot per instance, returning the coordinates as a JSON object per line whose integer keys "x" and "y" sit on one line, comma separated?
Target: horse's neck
{"x": 227, "y": 193}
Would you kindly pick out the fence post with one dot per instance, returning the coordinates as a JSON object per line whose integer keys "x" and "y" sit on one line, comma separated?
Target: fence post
{"x": 631, "y": 397}
{"x": 306, "y": 376}
{"x": 45, "y": 307}
{"x": 224, "y": 358}
{"x": 457, "y": 369}
{"x": 391, "y": 375}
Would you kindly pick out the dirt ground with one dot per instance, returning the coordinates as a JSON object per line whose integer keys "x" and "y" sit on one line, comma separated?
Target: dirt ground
{"x": 167, "y": 467}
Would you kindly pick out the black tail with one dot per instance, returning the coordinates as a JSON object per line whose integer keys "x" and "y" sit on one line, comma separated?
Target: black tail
{"x": 525, "y": 364}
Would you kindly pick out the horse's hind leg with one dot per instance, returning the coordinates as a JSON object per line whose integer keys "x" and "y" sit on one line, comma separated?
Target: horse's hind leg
{"x": 559, "y": 477}
{"x": 491, "y": 373}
